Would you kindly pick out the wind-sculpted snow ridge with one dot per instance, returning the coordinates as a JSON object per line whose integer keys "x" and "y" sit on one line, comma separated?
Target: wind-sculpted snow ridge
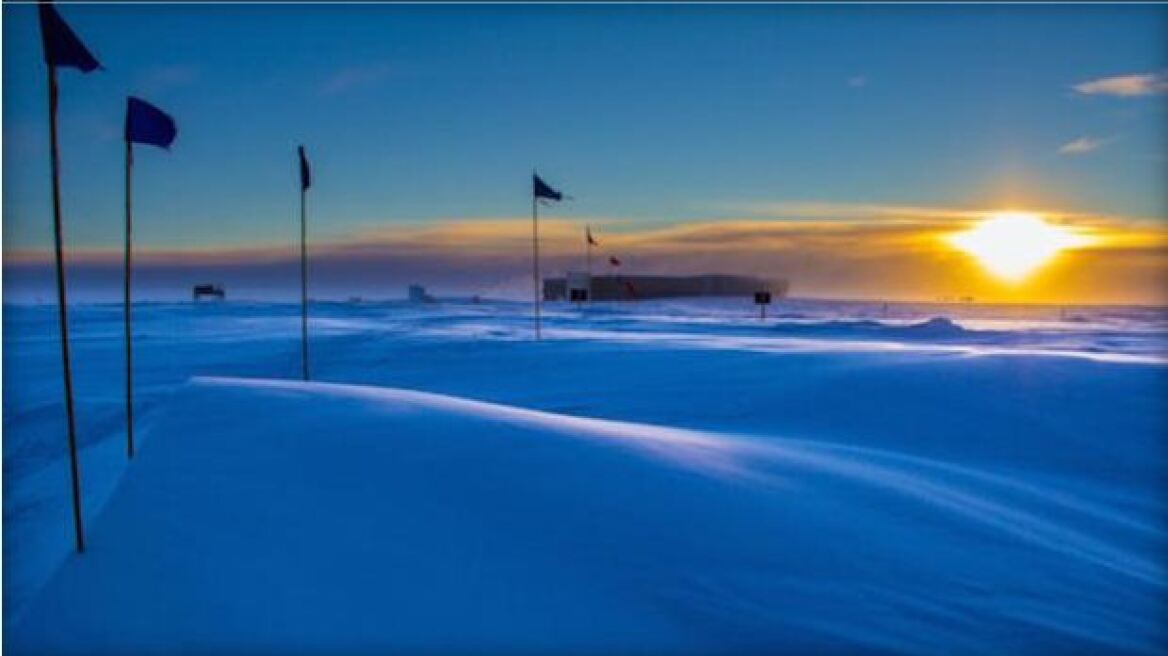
{"x": 837, "y": 343}
{"x": 271, "y": 515}
{"x": 1097, "y": 343}
{"x": 935, "y": 329}
{"x": 713, "y": 325}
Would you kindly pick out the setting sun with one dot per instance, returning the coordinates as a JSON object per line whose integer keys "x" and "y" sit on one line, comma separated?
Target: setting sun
{"x": 1012, "y": 245}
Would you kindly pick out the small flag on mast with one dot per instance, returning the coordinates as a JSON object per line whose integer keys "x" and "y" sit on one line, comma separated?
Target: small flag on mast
{"x": 62, "y": 47}
{"x": 591, "y": 240}
{"x": 613, "y": 261}
{"x": 305, "y": 183}
{"x": 305, "y": 174}
{"x": 540, "y": 189}
{"x": 146, "y": 124}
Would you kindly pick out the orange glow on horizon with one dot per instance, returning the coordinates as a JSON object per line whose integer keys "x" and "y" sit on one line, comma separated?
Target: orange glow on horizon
{"x": 1014, "y": 245}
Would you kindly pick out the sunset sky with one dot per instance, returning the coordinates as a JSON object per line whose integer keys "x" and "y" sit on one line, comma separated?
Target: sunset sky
{"x": 839, "y": 146}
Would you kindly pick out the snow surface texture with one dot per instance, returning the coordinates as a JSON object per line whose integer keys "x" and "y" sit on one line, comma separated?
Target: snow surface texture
{"x": 822, "y": 481}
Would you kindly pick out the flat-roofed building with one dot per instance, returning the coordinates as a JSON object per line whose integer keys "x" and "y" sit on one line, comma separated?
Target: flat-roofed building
{"x": 627, "y": 288}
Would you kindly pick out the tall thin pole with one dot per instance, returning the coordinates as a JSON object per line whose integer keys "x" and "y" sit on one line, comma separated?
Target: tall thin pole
{"x": 126, "y": 305}
{"x": 535, "y": 259}
{"x": 62, "y": 313}
{"x": 303, "y": 284}
{"x": 588, "y": 250}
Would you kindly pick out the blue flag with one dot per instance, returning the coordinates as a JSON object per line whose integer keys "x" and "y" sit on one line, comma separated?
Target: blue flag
{"x": 305, "y": 175}
{"x": 540, "y": 189}
{"x": 146, "y": 124}
{"x": 62, "y": 47}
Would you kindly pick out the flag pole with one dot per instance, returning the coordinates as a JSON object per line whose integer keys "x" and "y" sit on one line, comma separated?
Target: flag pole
{"x": 127, "y": 305}
{"x": 303, "y": 284}
{"x": 588, "y": 241}
{"x": 535, "y": 256}
{"x": 62, "y": 312}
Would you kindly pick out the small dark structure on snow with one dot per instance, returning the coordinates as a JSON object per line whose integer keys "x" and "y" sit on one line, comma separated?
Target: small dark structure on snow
{"x": 208, "y": 291}
{"x": 417, "y": 294}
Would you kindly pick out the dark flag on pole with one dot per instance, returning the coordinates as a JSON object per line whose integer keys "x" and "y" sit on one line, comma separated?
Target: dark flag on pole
{"x": 540, "y": 189}
{"x": 305, "y": 183}
{"x": 613, "y": 261}
{"x": 590, "y": 241}
{"x": 146, "y": 124}
{"x": 305, "y": 174}
{"x": 62, "y": 47}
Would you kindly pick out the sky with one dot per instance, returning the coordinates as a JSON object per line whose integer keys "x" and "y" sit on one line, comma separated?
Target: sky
{"x": 834, "y": 145}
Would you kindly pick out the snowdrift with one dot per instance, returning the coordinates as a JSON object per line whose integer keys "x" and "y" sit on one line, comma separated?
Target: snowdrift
{"x": 935, "y": 328}
{"x": 268, "y": 515}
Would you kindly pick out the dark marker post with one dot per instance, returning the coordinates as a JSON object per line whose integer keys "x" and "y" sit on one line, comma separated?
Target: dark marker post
{"x": 535, "y": 256}
{"x": 145, "y": 124}
{"x": 762, "y": 299}
{"x": 615, "y": 265}
{"x": 63, "y": 316}
{"x": 305, "y": 183}
{"x": 591, "y": 241}
{"x": 63, "y": 48}
{"x": 127, "y": 300}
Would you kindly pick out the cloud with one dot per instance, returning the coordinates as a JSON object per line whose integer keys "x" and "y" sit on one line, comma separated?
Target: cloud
{"x": 1082, "y": 146}
{"x": 354, "y": 77}
{"x": 837, "y": 211}
{"x": 858, "y": 81}
{"x": 830, "y": 249}
{"x": 1125, "y": 86}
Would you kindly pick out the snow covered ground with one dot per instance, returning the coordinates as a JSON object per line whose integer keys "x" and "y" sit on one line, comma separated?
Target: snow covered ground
{"x": 665, "y": 477}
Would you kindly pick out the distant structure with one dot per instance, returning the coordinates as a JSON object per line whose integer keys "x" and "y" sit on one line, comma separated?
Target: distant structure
{"x": 576, "y": 286}
{"x": 579, "y": 289}
{"x": 417, "y": 294}
{"x": 208, "y": 291}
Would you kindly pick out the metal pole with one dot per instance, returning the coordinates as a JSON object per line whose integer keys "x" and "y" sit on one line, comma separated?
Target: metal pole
{"x": 535, "y": 259}
{"x": 588, "y": 238}
{"x": 127, "y": 305}
{"x": 303, "y": 285}
{"x": 62, "y": 313}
